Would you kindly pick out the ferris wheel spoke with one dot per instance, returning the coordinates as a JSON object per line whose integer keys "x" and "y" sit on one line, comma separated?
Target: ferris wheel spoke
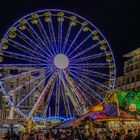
{"x": 88, "y": 78}
{"x": 75, "y": 94}
{"x": 93, "y": 84}
{"x": 11, "y": 103}
{"x": 57, "y": 99}
{"x": 75, "y": 104}
{"x": 86, "y": 50}
{"x": 86, "y": 65}
{"x": 36, "y": 40}
{"x": 51, "y": 40}
{"x": 46, "y": 38}
{"x": 22, "y": 74}
{"x": 60, "y": 91}
{"x": 74, "y": 40}
{"x": 87, "y": 58}
{"x": 92, "y": 92}
{"x": 50, "y": 94}
{"x": 31, "y": 43}
{"x": 79, "y": 45}
{"x": 76, "y": 88}
{"x": 25, "y": 49}
{"x": 94, "y": 74}
{"x": 40, "y": 27}
{"x": 40, "y": 97}
{"x": 91, "y": 72}
{"x": 26, "y": 83}
{"x": 81, "y": 91}
{"x": 90, "y": 95}
{"x": 67, "y": 37}
{"x": 36, "y": 36}
{"x": 31, "y": 92}
{"x": 41, "y": 33}
{"x": 46, "y": 35}
{"x": 81, "y": 81}
{"x": 52, "y": 36}
{"x": 72, "y": 85}
{"x": 47, "y": 103}
{"x": 19, "y": 56}
{"x": 60, "y": 34}
{"x": 67, "y": 101}
{"x": 65, "y": 106}
{"x": 22, "y": 65}
{"x": 63, "y": 91}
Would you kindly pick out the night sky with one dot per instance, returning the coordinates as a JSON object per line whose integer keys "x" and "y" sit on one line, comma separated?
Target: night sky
{"x": 118, "y": 21}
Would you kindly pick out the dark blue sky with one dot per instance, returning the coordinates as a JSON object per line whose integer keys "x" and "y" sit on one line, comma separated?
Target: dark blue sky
{"x": 117, "y": 20}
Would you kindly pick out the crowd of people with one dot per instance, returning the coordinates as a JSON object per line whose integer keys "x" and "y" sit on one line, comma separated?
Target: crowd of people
{"x": 105, "y": 134}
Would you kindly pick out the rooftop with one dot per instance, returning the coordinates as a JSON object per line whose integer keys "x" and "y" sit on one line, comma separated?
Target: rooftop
{"x": 133, "y": 53}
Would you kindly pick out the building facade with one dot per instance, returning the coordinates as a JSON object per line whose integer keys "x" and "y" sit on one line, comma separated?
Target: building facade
{"x": 17, "y": 88}
{"x": 131, "y": 78}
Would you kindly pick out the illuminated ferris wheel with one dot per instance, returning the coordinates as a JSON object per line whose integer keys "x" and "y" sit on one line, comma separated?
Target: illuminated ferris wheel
{"x": 61, "y": 62}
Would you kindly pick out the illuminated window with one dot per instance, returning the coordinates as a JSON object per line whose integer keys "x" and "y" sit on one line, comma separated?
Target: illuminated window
{"x": 11, "y": 85}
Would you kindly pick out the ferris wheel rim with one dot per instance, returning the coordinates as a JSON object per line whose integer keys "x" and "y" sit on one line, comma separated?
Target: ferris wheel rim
{"x": 77, "y": 16}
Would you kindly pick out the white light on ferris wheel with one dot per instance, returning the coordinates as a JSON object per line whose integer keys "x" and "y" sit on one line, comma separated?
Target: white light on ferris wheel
{"x": 61, "y": 61}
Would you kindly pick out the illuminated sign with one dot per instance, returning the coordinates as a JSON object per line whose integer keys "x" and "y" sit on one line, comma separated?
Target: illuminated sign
{"x": 97, "y": 108}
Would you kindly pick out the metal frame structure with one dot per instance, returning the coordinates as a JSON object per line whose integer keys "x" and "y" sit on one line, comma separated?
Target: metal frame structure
{"x": 35, "y": 40}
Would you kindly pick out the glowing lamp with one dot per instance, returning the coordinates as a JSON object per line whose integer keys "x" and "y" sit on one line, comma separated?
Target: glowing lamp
{"x": 97, "y": 108}
{"x": 132, "y": 107}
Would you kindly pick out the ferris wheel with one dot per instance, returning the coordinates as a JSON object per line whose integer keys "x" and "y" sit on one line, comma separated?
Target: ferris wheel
{"x": 58, "y": 63}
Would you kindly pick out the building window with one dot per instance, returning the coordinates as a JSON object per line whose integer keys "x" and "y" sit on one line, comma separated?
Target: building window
{"x": 11, "y": 85}
{"x": 136, "y": 66}
{"x": 138, "y": 77}
{"x": 13, "y": 72}
{"x": 131, "y": 68}
{"x": 35, "y": 99}
{"x": 24, "y": 86}
{"x": 123, "y": 82}
{"x": 127, "y": 69}
{"x": 11, "y": 98}
{"x": 132, "y": 79}
{"x": 127, "y": 81}
{"x": 36, "y": 86}
{"x": 7, "y": 114}
{"x": 24, "y": 102}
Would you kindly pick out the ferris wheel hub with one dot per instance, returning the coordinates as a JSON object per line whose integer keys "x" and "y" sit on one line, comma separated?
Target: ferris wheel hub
{"x": 61, "y": 61}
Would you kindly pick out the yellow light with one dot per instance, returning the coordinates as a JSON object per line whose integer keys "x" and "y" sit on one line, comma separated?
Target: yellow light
{"x": 132, "y": 107}
{"x": 97, "y": 108}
